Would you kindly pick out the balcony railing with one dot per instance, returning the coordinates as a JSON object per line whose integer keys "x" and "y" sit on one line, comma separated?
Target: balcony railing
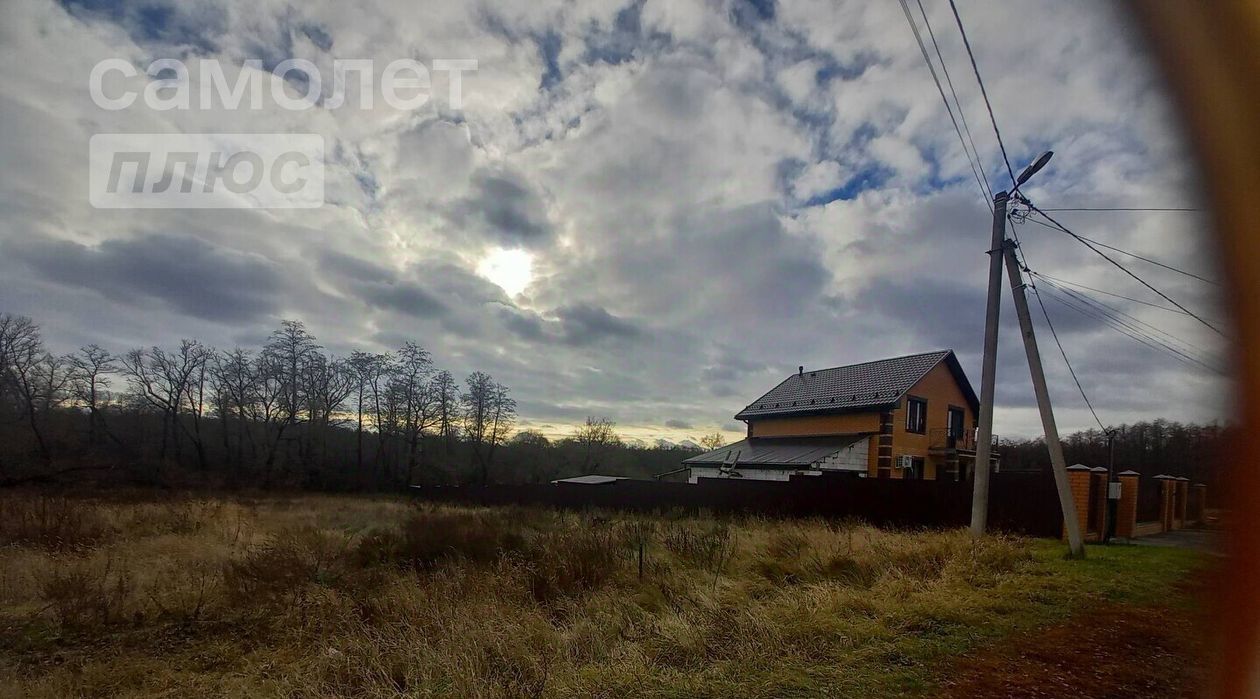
{"x": 940, "y": 439}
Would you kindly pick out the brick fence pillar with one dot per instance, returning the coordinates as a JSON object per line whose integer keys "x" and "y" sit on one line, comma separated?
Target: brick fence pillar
{"x": 1078, "y": 480}
{"x": 1126, "y": 508}
{"x": 1198, "y": 503}
{"x": 1167, "y": 486}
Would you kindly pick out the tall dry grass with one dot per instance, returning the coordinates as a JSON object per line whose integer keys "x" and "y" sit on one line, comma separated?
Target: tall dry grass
{"x": 337, "y": 596}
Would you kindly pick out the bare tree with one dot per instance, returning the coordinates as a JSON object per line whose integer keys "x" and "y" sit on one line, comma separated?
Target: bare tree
{"x": 595, "y": 438}
{"x": 174, "y": 383}
{"x": 289, "y": 349}
{"x": 328, "y": 385}
{"x": 236, "y": 396}
{"x": 31, "y": 377}
{"x": 713, "y": 441}
{"x": 366, "y": 372}
{"x": 272, "y": 411}
{"x": 446, "y": 393}
{"x": 90, "y": 369}
{"x": 413, "y": 395}
{"x": 489, "y": 413}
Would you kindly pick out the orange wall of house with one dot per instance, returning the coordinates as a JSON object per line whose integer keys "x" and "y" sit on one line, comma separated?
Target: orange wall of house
{"x": 807, "y": 425}
{"x": 941, "y": 391}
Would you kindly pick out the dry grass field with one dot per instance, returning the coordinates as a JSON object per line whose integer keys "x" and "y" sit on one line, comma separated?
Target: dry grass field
{"x": 357, "y": 596}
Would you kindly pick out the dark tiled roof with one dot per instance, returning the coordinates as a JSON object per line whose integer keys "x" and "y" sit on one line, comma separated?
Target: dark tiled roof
{"x": 854, "y": 387}
{"x": 778, "y": 451}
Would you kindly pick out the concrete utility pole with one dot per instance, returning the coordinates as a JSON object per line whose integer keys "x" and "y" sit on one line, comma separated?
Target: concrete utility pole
{"x": 1075, "y": 543}
{"x": 988, "y": 373}
{"x": 1109, "y": 527}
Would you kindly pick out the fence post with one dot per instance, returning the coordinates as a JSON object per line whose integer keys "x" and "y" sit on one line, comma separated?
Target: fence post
{"x": 1079, "y": 477}
{"x": 1167, "y": 484}
{"x": 1126, "y": 509}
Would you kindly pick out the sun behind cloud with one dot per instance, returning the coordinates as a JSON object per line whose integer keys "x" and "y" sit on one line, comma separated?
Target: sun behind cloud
{"x": 512, "y": 270}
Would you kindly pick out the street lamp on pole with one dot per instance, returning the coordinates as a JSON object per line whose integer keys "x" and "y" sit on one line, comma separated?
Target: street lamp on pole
{"x": 1003, "y": 251}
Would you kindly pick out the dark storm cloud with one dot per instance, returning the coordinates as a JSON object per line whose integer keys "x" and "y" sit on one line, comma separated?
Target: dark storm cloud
{"x": 678, "y": 424}
{"x": 505, "y": 208}
{"x": 406, "y": 297}
{"x": 524, "y": 324}
{"x": 189, "y": 274}
{"x": 427, "y": 289}
{"x": 941, "y": 313}
{"x": 583, "y": 324}
{"x": 333, "y": 262}
{"x": 739, "y": 263}
{"x": 576, "y": 325}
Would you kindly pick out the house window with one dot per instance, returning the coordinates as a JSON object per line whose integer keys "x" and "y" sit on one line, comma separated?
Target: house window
{"x": 916, "y": 415}
{"x": 955, "y": 423}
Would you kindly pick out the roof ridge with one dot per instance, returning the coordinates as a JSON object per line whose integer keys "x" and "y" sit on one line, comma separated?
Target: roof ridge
{"x": 840, "y": 387}
{"x": 877, "y": 361}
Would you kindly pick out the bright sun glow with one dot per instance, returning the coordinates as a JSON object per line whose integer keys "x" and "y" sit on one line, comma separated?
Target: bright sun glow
{"x": 512, "y": 270}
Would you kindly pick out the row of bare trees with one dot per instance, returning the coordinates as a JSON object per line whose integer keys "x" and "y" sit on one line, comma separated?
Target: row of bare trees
{"x": 1197, "y": 451}
{"x": 273, "y": 416}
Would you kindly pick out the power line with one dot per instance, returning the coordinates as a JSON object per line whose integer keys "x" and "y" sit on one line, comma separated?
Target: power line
{"x": 1108, "y": 293}
{"x": 1023, "y": 263}
{"x": 1122, "y": 251}
{"x": 988, "y": 105}
{"x": 962, "y": 114}
{"x": 1124, "y": 269}
{"x": 1063, "y": 352}
{"x": 1089, "y": 313}
{"x": 1109, "y": 208}
{"x": 1117, "y": 313}
{"x": 1087, "y": 307}
{"x": 985, "y": 193}
{"x": 1128, "y": 331}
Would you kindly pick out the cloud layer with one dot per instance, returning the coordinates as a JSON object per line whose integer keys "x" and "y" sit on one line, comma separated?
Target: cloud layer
{"x": 712, "y": 192}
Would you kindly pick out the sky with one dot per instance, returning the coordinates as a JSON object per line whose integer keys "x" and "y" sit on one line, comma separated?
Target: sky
{"x": 652, "y": 210}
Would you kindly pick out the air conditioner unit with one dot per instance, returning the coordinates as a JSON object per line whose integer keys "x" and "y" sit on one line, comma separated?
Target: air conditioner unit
{"x": 905, "y": 461}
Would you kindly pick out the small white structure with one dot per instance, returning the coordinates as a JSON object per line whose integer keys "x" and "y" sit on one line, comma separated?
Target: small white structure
{"x": 588, "y": 480}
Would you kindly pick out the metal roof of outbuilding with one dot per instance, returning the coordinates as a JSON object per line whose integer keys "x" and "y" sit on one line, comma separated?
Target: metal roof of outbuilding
{"x": 778, "y": 451}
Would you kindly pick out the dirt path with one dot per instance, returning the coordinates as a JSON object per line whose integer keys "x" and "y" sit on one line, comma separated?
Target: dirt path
{"x": 1108, "y": 652}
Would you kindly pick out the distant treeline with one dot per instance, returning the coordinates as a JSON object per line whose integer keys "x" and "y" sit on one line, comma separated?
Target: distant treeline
{"x": 285, "y": 415}
{"x": 290, "y": 415}
{"x": 1198, "y": 452}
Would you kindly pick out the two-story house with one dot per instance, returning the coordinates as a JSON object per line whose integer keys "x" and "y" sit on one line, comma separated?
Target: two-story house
{"x": 906, "y": 417}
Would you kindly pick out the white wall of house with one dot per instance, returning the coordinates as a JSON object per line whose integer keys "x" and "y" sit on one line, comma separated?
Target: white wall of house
{"x": 748, "y": 474}
{"x": 852, "y": 459}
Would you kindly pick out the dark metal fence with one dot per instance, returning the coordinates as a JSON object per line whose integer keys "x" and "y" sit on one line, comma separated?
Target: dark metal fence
{"x": 1150, "y": 500}
{"x": 1194, "y": 509}
{"x": 1019, "y": 502}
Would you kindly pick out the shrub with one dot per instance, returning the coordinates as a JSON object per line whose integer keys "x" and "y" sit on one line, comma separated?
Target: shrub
{"x": 183, "y": 591}
{"x": 85, "y": 592}
{"x": 282, "y": 566}
{"x": 704, "y": 549}
{"x": 573, "y": 560}
{"x": 428, "y": 538}
{"x": 52, "y": 523}
{"x": 179, "y": 517}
